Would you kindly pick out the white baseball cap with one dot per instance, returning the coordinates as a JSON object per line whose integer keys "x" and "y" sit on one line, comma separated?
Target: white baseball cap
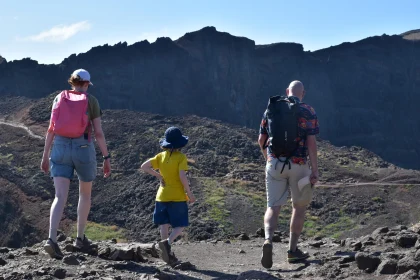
{"x": 83, "y": 75}
{"x": 305, "y": 181}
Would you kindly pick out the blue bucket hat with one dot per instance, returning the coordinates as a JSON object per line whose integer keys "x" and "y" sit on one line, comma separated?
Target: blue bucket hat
{"x": 174, "y": 139}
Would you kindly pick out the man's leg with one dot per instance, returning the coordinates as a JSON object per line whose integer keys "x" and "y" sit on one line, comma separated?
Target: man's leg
{"x": 277, "y": 192}
{"x": 270, "y": 221}
{"x": 296, "y": 225}
{"x": 301, "y": 199}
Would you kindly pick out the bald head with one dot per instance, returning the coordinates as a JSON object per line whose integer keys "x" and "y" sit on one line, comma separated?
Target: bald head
{"x": 297, "y": 89}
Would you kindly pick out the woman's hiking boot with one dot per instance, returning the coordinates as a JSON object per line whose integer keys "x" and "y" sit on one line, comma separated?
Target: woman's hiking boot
{"x": 165, "y": 248}
{"x": 80, "y": 243}
{"x": 296, "y": 256}
{"x": 267, "y": 254}
{"x": 53, "y": 249}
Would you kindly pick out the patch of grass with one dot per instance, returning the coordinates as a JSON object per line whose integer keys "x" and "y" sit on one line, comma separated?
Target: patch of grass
{"x": 336, "y": 229}
{"x": 313, "y": 227}
{"x": 96, "y": 231}
{"x": 257, "y": 199}
{"x": 214, "y": 197}
{"x": 378, "y": 199}
{"x": 6, "y": 159}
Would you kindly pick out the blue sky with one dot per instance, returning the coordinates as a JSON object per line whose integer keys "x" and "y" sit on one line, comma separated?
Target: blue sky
{"x": 49, "y": 31}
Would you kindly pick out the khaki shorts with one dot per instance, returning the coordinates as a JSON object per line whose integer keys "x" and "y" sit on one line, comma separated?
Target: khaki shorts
{"x": 278, "y": 184}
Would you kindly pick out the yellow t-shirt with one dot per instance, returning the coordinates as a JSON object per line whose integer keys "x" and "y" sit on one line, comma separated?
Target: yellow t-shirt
{"x": 169, "y": 167}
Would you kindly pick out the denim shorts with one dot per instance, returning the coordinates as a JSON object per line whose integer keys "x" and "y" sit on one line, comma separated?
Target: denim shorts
{"x": 69, "y": 154}
{"x": 173, "y": 213}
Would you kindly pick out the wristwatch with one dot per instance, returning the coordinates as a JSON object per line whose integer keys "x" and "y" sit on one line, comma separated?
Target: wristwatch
{"x": 106, "y": 157}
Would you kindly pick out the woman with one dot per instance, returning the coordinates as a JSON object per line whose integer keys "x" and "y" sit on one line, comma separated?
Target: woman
{"x": 73, "y": 114}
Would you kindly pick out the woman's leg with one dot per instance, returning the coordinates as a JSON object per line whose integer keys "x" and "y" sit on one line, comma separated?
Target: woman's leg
{"x": 61, "y": 192}
{"x": 85, "y": 192}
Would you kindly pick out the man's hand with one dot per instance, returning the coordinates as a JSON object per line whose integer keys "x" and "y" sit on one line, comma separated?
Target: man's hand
{"x": 314, "y": 177}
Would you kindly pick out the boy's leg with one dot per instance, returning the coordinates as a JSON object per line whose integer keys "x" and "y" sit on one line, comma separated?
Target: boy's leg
{"x": 175, "y": 233}
{"x": 164, "y": 231}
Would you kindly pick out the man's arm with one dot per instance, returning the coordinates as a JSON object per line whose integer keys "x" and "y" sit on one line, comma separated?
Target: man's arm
{"x": 313, "y": 156}
{"x": 262, "y": 140}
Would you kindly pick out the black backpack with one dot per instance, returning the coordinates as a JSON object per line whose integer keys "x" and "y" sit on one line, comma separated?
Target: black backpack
{"x": 282, "y": 119}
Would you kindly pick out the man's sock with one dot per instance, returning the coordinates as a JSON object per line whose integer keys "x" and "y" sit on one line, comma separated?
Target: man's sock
{"x": 268, "y": 232}
{"x": 293, "y": 241}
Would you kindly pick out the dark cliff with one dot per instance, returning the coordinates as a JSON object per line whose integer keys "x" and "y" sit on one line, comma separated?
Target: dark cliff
{"x": 365, "y": 93}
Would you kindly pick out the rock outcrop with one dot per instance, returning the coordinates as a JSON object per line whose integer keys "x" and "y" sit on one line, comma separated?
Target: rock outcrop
{"x": 365, "y": 92}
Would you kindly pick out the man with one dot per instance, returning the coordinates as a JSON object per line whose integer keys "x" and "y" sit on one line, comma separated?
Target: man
{"x": 291, "y": 168}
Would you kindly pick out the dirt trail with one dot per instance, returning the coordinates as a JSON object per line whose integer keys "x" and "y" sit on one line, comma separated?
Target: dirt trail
{"x": 22, "y": 126}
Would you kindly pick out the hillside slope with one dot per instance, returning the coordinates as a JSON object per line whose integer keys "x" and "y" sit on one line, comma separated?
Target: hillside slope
{"x": 353, "y": 86}
{"x": 358, "y": 190}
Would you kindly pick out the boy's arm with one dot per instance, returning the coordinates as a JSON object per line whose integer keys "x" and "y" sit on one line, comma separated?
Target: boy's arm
{"x": 147, "y": 167}
{"x": 186, "y": 184}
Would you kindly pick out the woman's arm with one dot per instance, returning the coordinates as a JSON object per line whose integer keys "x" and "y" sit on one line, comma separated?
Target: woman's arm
{"x": 45, "y": 163}
{"x": 100, "y": 136}
{"x": 100, "y": 139}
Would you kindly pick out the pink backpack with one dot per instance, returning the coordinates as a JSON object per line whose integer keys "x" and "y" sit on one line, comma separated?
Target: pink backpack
{"x": 70, "y": 114}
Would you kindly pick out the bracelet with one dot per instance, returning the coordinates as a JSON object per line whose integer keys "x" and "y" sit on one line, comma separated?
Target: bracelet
{"x": 107, "y": 157}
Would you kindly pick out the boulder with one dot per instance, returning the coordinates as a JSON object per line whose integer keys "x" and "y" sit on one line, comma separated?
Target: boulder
{"x": 255, "y": 274}
{"x": 406, "y": 264}
{"x": 387, "y": 267}
{"x": 406, "y": 239}
{"x": 122, "y": 254}
{"x": 409, "y": 275}
{"x": 71, "y": 260}
{"x": 367, "y": 262}
{"x": 60, "y": 273}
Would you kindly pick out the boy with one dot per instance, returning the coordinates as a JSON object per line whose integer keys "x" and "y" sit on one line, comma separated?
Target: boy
{"x": 171, "y": 207}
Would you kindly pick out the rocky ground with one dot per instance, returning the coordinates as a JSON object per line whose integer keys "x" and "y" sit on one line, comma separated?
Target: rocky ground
{"x": 387, "y": 253}
{"x": 358, "y": 190}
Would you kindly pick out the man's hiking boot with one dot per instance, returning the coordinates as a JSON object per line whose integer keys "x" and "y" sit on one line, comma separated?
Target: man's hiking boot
{"x": 82, "y": 243}
{"x": 267, "y": 254}
{"x": 166, "y": 250}
{"x": 296, "y": 256}
{"x": 53, "y": 249}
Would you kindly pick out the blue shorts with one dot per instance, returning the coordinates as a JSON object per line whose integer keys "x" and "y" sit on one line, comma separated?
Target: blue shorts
{"x": 69, "y": 154}
{"x": 173, "y": 213}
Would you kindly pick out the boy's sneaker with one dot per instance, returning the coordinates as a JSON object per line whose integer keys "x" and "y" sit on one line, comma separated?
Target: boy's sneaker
{"x": 82, "y": 243}
{"x": 267, "y": 254}
{"x": 166, "y": 250}
{"x": 296, "y": 256}
{"x": 53, "y": 249}
{"x": 173, "y": 260}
